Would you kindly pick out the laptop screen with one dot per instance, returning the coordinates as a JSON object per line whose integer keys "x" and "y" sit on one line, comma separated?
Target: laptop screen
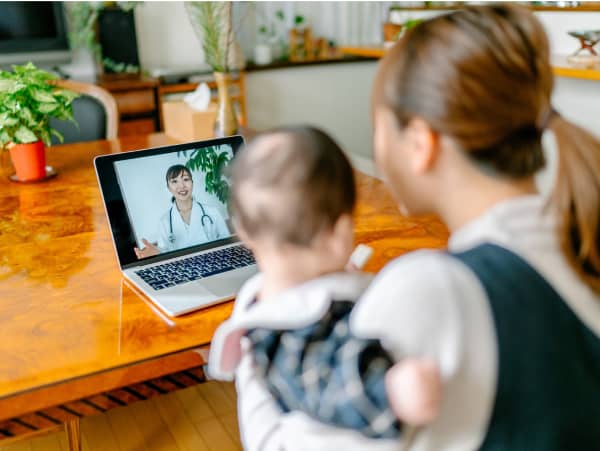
{"x": 168, "y": 201}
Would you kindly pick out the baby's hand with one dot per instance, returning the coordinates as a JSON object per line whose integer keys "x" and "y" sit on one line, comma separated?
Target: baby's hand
{"x": 359, "y": 257}
{"x": 414, "y": 389}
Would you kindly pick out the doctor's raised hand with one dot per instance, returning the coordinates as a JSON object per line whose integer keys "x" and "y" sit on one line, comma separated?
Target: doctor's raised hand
{"x": 148, "y": 250}
{"x": 187, "y": 222}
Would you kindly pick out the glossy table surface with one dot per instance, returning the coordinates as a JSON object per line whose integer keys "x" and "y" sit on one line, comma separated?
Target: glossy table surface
{"x": 69, "y": 322}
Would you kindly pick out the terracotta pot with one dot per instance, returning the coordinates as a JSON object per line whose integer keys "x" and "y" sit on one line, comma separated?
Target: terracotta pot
{"x": 226, "y": 123}
{"x": 29, "y": 161}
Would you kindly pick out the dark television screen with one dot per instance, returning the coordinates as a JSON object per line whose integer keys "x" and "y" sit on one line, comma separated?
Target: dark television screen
{"x": 32, "y": 27}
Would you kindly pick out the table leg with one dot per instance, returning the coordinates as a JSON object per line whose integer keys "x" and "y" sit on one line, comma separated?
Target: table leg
{"x": 73, "y": 434}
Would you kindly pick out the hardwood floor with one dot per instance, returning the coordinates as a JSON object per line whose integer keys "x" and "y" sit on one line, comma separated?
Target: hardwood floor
{"x": 200, "y": 418}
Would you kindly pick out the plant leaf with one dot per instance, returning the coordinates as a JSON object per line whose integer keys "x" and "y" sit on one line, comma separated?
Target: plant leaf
{"x": 4, "y": 137}
{"x": 25, "y": 135}
{"x": 47, "y": 107}
{"x": 58, "y": 134}
{"x": 66, "y": 94}
{"x": 45, "y": 137}
{"x": 7, "y": 85}
{"x": 28, "y": 116}
{"x": 7, "y": 121}
{"x": 42, "y": 96}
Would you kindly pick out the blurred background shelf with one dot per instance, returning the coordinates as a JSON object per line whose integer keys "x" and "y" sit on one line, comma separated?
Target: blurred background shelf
{"x": 561, "y": 66}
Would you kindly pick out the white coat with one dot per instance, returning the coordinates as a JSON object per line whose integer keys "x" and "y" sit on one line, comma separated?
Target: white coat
{"x": 193, "y": 234}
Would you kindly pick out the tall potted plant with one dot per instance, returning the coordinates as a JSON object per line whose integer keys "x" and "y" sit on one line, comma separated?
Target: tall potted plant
{"x": 213, "y": 24}
{"x": 28, "y": 100}
{"x": 82, "y": 18}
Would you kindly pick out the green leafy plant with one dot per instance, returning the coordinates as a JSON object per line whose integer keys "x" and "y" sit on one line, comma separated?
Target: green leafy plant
{"x": 120, "y": 67}
{"x": 212, "y": 22}
{"x": 273, "y": 32}
{"x": 81, "y": 19}
{"x": 28, "y": 100}
{"x": 211, "y": 161}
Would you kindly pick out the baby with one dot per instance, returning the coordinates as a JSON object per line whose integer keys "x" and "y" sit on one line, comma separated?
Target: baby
{"x": 292, "y": 200}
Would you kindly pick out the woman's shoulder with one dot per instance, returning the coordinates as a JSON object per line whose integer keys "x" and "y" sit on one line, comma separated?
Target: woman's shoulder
{"x": 421, "y": 298}
{"x": 423, "y": 271}
{"x": 423, "y": 283}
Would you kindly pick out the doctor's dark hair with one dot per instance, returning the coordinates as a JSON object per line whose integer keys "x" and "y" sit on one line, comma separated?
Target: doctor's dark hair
{"x": 290, "y": 184}
{"x": 175, "y": 171}
{"x": 481, "y": 76}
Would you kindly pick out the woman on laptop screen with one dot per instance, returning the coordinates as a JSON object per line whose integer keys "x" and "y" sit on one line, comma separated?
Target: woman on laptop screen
{"x": 187, "y": 222}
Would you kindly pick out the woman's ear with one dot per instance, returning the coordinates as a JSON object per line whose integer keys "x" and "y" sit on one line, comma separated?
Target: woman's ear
{"x": 423, "y": 145}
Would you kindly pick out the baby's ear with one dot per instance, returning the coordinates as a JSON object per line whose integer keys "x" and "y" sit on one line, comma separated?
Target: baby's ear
{"x": 343, "y": 234}
{"x": 241, "y": 233}
{"x": 344, "y": 225}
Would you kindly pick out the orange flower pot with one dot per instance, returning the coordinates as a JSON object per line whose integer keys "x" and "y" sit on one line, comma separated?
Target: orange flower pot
{"x": 29, "y": 161}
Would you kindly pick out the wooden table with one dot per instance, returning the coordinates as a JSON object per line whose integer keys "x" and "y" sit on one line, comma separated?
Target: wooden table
{"x": 76, "y": 340}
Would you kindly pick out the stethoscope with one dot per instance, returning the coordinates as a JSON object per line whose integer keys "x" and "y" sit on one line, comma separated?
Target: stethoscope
{"x": 203, "y": 218}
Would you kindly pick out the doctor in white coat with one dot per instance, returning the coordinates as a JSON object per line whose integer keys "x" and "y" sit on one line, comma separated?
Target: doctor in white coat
{"x": 187, "y": 222}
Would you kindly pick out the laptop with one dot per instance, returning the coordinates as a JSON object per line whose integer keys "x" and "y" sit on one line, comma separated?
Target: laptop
{"x": 170, "y": 227}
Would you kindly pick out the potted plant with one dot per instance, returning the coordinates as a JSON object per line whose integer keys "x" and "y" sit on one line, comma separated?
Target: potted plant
{"x": 213, "y": 24}
{"x": 82, "y": 18}
{"x": 272, "y": 39}
{"x": 28, "y": 100}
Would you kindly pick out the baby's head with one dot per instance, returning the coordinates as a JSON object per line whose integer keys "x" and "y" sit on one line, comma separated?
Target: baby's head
{"x": 293, "y": 190}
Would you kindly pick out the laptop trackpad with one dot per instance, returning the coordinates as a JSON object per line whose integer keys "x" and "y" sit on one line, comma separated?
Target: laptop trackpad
{"x": 227, "y": 284}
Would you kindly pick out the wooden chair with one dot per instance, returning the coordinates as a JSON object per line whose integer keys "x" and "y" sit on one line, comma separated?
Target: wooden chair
{"x": 95, "y": 112}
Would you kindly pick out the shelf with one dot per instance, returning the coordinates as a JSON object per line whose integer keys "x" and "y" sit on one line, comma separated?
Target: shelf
{"x": 374, "y": 51}
{"x": 343, "y": 58}
{"x": 582, "y": 7}
{"x": 560, "y": 66}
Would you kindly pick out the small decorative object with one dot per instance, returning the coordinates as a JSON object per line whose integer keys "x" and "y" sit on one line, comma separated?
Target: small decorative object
{"x": 273, "y": 34}
{"x": 586, "y": 55}
{"x": 393, "y": 31}
{"x": 213, "y": 24}
{"x": 301, "y": 41}
{"x": 262, "y": 54}
{"x": 28, "y": 100}
{"x": 81, "y": 21}
{"x": 193, "y": 119}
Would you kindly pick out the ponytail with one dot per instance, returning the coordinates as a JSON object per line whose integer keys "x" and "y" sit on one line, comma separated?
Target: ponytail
{"x": 576, "y": 197}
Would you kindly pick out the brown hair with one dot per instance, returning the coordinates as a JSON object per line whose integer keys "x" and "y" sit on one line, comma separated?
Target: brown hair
{"x": 290, "y": 184}
{"x": 482, "y": 77}
{"x": 175, "y": 171}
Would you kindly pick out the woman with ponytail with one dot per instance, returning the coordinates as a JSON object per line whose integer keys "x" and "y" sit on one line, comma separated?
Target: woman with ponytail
{"x": 511, "y": 313}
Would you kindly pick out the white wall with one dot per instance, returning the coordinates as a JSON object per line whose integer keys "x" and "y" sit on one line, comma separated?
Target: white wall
{"x": 165, "y": 36}
{"x": 334, "y": 97}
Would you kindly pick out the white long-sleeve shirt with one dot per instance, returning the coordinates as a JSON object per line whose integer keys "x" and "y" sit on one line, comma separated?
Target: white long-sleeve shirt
{"x": 427, "y": 303}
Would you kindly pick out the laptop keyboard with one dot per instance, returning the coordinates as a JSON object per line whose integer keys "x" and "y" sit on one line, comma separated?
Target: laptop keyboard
{"x": 196, "y": 267}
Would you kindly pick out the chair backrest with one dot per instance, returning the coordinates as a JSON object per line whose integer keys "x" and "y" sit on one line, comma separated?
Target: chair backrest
{"x": 95, "y": 112}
